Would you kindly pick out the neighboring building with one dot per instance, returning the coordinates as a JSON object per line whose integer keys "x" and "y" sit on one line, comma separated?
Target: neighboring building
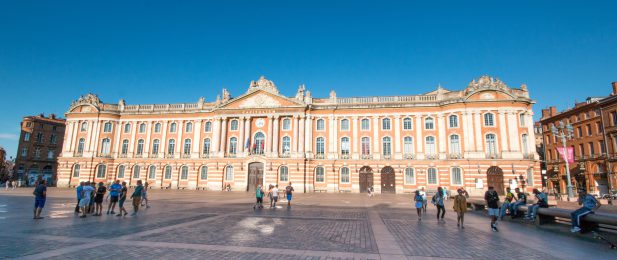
{"x": 537, "y": 129}
{"x": 479, "y": 136}
{"x": 608, "y": 108}
{"x": 40, "y": 143}
{"x": 589, "y": 171}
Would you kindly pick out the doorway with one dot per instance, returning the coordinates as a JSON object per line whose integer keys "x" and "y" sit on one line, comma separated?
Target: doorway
{"x": 494, "y": 176}
{"x": 366, "y": 178}
{"x": 387, "y": 180}
{"x": 255, "y": 176}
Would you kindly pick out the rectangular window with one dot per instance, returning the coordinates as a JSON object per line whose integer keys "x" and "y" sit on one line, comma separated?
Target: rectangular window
{"x": 407, "y": 124}
{"x": 614, "y": 118}
{"x": 457, "y": 179}
{"x": 27, "y": 137}
{"x": 530, "y": 177}
{"x": 24, "y": 152}
{"x": 602, "y": 148}
{"x": 385, "y": 124}
{"x": 53, "y": 139}
{"x": 599, "y": 127}
{"x": 580, "y": 131}
{"x": 581, "y": 147}
{"x": 365, "y": 124}
{"x": 410, "y": 177}
{"x": 592, "y": 151}
{"x": 344, "y": 125}
{"x": 453, "y": 121}
{"x": 39, "y": 138}
{"x": 286, "y": 124}
{"x": 321, "y": 125}
{"x": 522, "y": 119}
{"x": 588, "y": 127}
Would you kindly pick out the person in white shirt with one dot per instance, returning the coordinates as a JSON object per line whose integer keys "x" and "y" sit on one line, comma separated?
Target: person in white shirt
{"x": 275, "y": 195}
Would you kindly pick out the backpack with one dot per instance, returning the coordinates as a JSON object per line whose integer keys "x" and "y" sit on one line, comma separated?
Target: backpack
{"x": 492, "y": 197}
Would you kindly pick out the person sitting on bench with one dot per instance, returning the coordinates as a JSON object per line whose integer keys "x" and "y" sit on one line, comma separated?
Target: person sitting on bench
{"x": 522, "y": 200}
{"x": 541, "y": 202}
{"x": 590, "y": 205}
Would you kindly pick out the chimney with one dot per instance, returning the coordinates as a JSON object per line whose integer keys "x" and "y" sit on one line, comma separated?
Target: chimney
{"x": 553, "y": 110}
{"x": 614, "y": 88}
{"x": 52, "y": 116}
{"x": 42, "y": 115}
{"x": 545, "y": 112}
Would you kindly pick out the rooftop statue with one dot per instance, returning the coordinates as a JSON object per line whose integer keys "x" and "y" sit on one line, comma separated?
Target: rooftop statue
{"x": 264, "y": 84}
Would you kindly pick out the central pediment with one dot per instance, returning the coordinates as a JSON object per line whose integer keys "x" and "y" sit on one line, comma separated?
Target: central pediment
{"x": 259, "y": 100}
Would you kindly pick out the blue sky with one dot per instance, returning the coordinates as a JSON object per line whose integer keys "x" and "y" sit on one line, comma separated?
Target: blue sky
{"x": 176, "y": 51}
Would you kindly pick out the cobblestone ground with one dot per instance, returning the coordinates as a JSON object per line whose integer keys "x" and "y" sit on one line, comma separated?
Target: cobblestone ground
{"x": 223, "y": 225}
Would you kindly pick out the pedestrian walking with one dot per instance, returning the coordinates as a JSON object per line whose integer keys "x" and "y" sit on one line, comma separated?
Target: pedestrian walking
{"x": 98, "y": 199}
{"x": 13, "y": 184}
{"x": 259, "y": 197}
{"x": 590, "y": 205}
{"x": 370, "y": 193}
{"x": 7, "y": 183}
{"x": 424, "y": 200}
{"x": 136, "y": 196}
{"x": 79, "y": 190}
{"x": 460, "y": 207}
{"x": 84, "y": 203}
{"x": 419, "y": 202}
{"x": 437, "y": 200}
{"x": 40, "y": 195}
{"x": 114, "y": 191}
{"x": 492, "y": 201}
{"x": 288, "y": 192}
{"x": 144, "y": 196}
{"x": 270, "y": 187}
{"x": 121, "y": 199}
{"x": 92, "y": 197}
{"x": 275, "y": 195}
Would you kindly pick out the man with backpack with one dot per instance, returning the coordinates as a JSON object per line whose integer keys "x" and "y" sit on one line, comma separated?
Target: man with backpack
{"x": 590, "y": 205}
{"x": 288, "y": 191}
{"x": 542, "y": 202}
{"x": 492, "y": 202}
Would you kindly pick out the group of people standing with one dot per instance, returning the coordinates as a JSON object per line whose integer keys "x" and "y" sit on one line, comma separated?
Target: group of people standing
{"x": 273, "y": 195}
{"x": 90, "y": 198}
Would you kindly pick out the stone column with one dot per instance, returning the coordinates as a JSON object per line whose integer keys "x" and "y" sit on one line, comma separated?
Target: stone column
{"x": 117, "y": 130}
{"x": 147, "y": 143}
{"x": 419, "y": 142}
{"x": 68, "y": 137}
{"x": 180, "y": 144}
{"x": 376, "y": 142}
{"x": 308, "y": 142}
{"x": 294, "y": 136}
{"x": 134, "y": 129}
{"x": 196, "y": 139}
{"x": 502, "y": 139}
{"x": 466, "y": 136}
{"x": 268, "y": 145}
{"x": 216, "y": 135}
{"x": 513, "y": 133}
{"x": 241, "y": 139}
{"x": 95, "y": 138}
{"x": 301, "y": 134}
{"x": 223, "y": 139}
{"x": 335, "y": 146}
{"x": 356, "y": 140}
{"x": 441, "y": 126}
{"x": 275, "y": 137}
{"x": 247, "y": 134}
{"x": 478, "y": 131}
{"x": 164, "y": 139}
{"x": 397, "y": 138}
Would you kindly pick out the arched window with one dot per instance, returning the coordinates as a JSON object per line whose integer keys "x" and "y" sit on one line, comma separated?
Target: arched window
{"x": 125, "y": 146}
{"x": 171, "y": 145}
{"x": 187, "y": 146}
{"x": 345, "y": 146}
{"x": 410, "y": 177}
{"x": 366, "y": 146}
{"x": 206, "y": 148}
{"x": 429, "y": 123}
{"x": 107, "y": 127}
{"x": 140, "y": 147}
{"x": 286, "y": 124}
{"x": 407, "y": 124}
{"x": 157, "y": 128}
{"x": 385, "y": 124}
{"x": 365, "y": 124}
{"x": 189, "y": 127}
{"x": 387, "y": 146}
{"x": 152, "y": 172}
{"x": 321, "y": 146}
{"x": 489, "y": 119}
{"x": 121, "y": 169}
{"x": 101, "y": 171}
{"x": 283, "y": 174}
{"x": 127, "y": 128}
{"x": 408, "y": 145}
{"x": 142, "y": 128}
{"x": 136, "y": 171}
{"x": 229, "y": 173}
{"x": 453, "y": 120}
{"x": 286, "y": 145}
{"x": 84, "y": 126}
{"x": 430, "y": 145}
{"x": 455, "y": 145}
{"x": 432, "y": 176}
{"x": 321, "y": 125}
{"x": 258, "y": 143}
{"x": 233, "y": 145}
{"x": 76, "y": 169}
{"x": 233, "y": 125}
{"x": 345, "y": 125}
{"x": 204, "y": 173}
{"x": 319, "y": 174}
{"x": 345, "y": 175}
{"x": 184, "y": 172}
{"x": 457, "y": 178}
{"x": 155, "y": 146}
{"x": 172, "y": 128}
{"x": 167, "y": 172}
{"x": 491, "y": 145}
{"x": 208, "y": 127}
{"x": 80, "y": 145}
{"x": 105, "y": 145}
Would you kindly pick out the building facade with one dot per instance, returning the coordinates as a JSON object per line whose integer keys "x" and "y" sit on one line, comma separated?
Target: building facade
{"x": 482, "y": 135}
{"x": 40, "y": 143}
{"x": 591, "y": 141}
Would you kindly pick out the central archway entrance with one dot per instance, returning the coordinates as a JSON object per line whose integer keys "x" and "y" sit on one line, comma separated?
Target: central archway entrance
{"x": 494, "y": 176}
{"x": 387, "y": 180}
{"x": 366, "y": 178}
{"x": 255, "y": 176}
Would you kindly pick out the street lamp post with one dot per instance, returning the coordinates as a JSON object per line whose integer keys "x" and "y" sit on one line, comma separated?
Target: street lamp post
{"x": 565, "y": 132}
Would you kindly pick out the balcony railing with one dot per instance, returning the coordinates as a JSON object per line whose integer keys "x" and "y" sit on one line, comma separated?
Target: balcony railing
{"x": 205, "y": 155}
{"x": 153, "y": 155}
{"x": 320, "y": 156}
{"x": 493, "y": 156}
{"x": 431, "y": 157}
{"x": 78, "y": 154}
{"x": 455, "y": 156}
{"x": 408, "y": 156}
{"x": 529, "y": 156}
{"x": 138, "y": 155}
{"x": 284, "y": 155}
{"x": 186, "y": 155}
{"x": 345, "y": 156}
{"x": 387, "y": 156}
{"x": 169, "y": 155}
{"x": 122, "y": 155}
{"x": 103, "y": 155}
{"x": 230, "y": 155}
{"x": 366, "y": 156}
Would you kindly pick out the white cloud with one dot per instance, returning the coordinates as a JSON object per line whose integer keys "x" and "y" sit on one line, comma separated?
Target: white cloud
{"x": 8, "y": 136}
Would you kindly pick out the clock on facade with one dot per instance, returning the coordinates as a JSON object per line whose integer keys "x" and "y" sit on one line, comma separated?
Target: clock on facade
{"x": 260, "y": 123}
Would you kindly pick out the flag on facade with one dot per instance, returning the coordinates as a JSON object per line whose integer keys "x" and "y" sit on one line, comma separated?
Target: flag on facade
{"x": 567, "y": 154}
{"x": 248, "y": 143}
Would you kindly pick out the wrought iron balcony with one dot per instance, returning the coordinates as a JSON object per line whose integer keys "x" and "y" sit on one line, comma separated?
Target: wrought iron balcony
{"x": 230, "y": 155}
{"x": 455, "y": 156}
{"x": 78, "y": 154}
{"x": 186, "y": 155}
{"x": 367, "y": 156}
{"x": 169, "y": 155}
{"x": 408, "y": 156}
{"x": 320, "y": 156}
{"x": 122, "y": 155}
{"x": 284, "y": 155}
{"x": 138, "y": 155}
{"x": 205, "y": 155}
{"x": 493, "y": 156}
{"x": 431, "y": 157}
{"x": 345, "y": 156}
{"x": 387, "y": 156}
{"x": 153, "y": 155}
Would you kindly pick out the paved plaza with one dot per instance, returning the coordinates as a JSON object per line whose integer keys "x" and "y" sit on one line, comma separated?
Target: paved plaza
{"x": 223, "y": 225}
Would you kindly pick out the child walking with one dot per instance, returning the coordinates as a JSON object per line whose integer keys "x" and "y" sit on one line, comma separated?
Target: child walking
{"x": 419, "y": 204}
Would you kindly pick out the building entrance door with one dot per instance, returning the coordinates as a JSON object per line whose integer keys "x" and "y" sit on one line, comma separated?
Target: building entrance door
{"x": 255, "y": 176}
{"x": 494, "y": 176}
{"x": 387, "y": 180}
{"x": 366, "y": 178}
